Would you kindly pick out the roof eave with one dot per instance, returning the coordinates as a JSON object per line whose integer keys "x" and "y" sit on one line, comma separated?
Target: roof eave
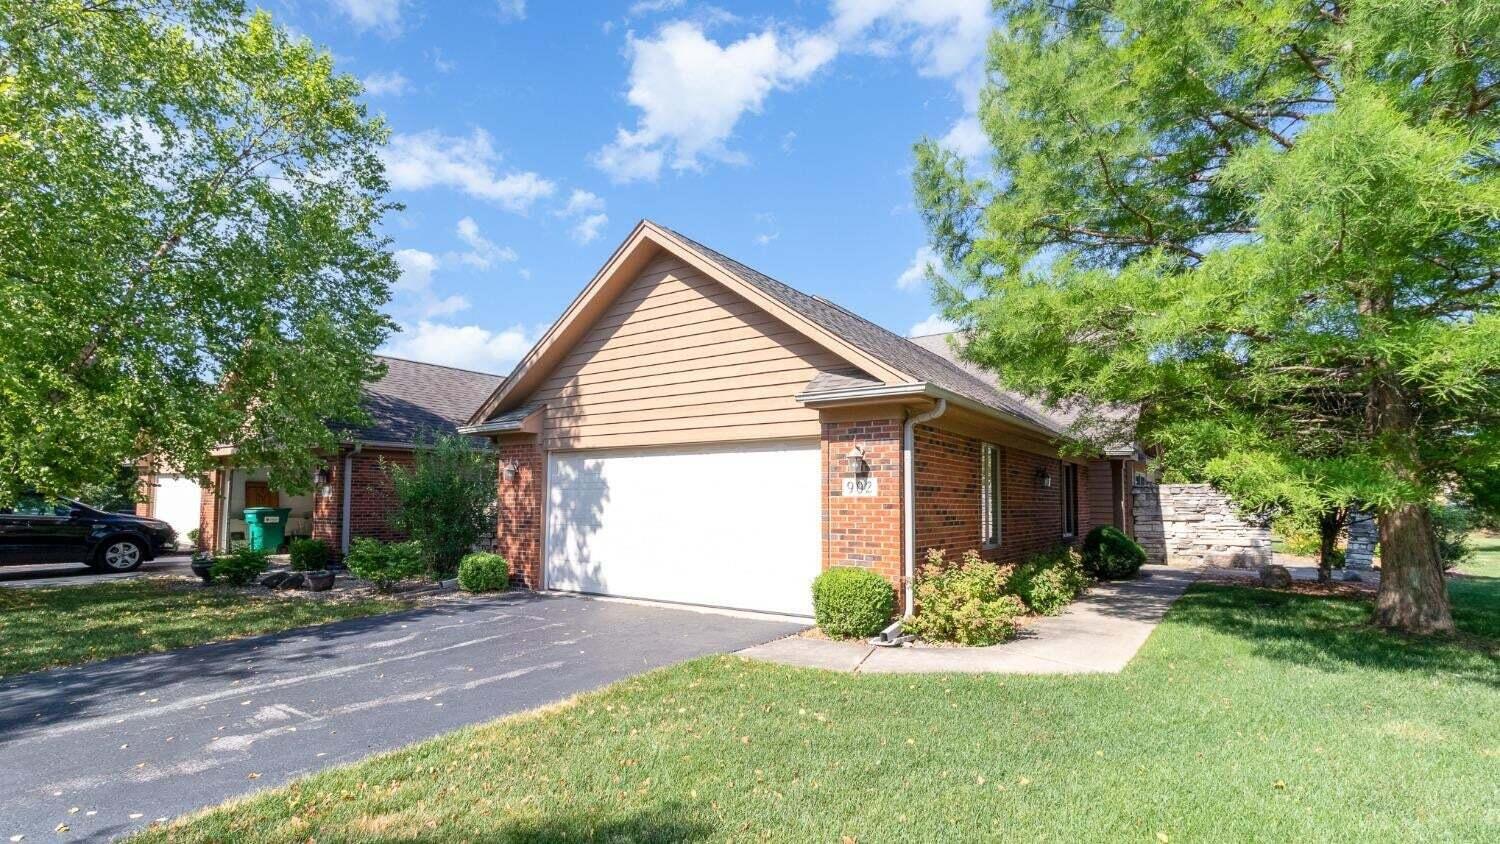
{"x": 924, "y": 389}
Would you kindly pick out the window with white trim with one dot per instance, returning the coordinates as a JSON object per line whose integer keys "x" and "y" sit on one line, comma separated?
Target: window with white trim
{"x": 1070, "y": 499}
{"x": 989, "y": 495}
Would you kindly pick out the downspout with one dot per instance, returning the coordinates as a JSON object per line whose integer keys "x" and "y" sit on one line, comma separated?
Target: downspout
{"x": 348, "y": 474}
{"x": 909, "y": 497}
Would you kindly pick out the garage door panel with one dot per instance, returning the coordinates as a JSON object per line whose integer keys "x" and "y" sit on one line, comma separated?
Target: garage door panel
{"x": 727, "y": 526}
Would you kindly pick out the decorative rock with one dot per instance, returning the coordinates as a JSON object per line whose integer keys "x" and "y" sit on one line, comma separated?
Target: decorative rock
{"x": 1275, "y": 577}
{"x": 294, "y": 580}
{"x": 1196, "y": 524}
{"x": 1352, "y": 576}
{"x": 320, "y": 581}
{"x": 274, "y": 579}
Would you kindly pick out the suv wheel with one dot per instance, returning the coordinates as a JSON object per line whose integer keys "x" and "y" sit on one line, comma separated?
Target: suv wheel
{"x": 120, "y": 555}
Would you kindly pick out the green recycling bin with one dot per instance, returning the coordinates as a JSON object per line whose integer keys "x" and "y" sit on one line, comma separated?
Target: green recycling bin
{"x": 267, "y": 527}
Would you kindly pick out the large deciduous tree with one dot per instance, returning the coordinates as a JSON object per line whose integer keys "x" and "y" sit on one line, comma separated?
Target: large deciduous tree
{"x": 188, "y": 249}
{"x": 1274, "y": 225}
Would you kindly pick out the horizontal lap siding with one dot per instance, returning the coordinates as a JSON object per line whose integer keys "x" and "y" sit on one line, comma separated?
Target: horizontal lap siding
{"x": 679, "y": 358}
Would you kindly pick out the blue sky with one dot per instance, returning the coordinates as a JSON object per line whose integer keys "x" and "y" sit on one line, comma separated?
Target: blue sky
{"x": 530, "y": 136}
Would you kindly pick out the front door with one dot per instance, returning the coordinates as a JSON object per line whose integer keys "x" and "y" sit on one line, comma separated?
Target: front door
{"x": 259, "y": 494}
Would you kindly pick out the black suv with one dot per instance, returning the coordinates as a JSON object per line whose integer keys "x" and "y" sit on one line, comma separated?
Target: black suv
{"x": 39, "y": 530}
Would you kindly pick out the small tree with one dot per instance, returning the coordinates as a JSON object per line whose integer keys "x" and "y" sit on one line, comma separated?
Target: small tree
{"x": 445, "y": 500}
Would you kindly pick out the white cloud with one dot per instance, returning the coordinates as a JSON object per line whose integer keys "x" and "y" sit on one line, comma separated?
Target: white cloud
{"x": 586, "y": 229}
{"x": 417, "y": 268}
{"x": 934, "y": 324}
{"x": 464, "y": 346}
{"x": 766, "y": 237}
{"x": 431, "y": 159}
{"x": 915, "y": 273}
{"x": 414, "y": 294}
{"x": 511, "y": 10}
{"x": 482, "y": 253}
{"x": 582, "y": 202}
{"x": 373, "y": 14}
{"x": 386, "y": 84}
{"x": 946, "y": 39}
{"x": 651, "y": 7}
{"x": 586, "y": 209}
{"x": 691, "y": 92}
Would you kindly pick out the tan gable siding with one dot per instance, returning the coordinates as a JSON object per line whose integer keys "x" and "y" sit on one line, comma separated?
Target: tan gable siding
{"x": 679, "y": 358}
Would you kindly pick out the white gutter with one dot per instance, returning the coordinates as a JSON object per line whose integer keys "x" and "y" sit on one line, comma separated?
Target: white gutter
{"x": 344, "y": 509}
{"x": 924, "y": 389}
{"x": 909, "y": 496}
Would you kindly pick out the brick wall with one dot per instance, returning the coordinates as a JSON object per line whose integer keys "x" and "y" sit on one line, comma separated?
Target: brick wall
{"x": 863, "y": 531}
{"x": 371, "y": 499}
{"x": 518, "y": 526}
{"x": 947, "y": 479}
{"x": 208, "y": 510}
{"x": 328, "y": 504}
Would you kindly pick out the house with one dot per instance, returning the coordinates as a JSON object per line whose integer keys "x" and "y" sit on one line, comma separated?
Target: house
{"x": 351, "y": 494}
{"x": 692, "y": 430}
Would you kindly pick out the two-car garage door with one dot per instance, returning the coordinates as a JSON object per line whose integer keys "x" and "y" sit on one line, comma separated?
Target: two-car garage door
{"x": 724, "y": 526}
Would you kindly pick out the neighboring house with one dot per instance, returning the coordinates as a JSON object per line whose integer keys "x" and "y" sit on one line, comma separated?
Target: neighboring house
{"x": 692, "y": 430}
{"x": 351, "y": 494}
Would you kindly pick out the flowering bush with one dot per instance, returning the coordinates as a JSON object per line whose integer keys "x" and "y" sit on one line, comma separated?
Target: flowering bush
{"x": 1048, "y": 581}
{"x": 964, "y": 602}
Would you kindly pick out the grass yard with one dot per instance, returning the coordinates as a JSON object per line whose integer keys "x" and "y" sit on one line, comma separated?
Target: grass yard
{"x": 42, "y": 628}
{"x": 1249, "y": 715}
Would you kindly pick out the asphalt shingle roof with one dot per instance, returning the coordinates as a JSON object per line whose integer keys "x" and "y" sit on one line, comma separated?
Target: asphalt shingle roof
{"x": 414, "y": 399}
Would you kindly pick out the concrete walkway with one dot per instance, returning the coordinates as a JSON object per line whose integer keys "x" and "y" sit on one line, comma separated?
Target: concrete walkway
{"x": 1098, "y": 633}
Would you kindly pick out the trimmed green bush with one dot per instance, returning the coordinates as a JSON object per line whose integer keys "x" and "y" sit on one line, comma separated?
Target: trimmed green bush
{"x": 385, "y": 564}
{"x": 1049, "y": 581}
{"x": 240, "y": 567}
{"x": 852, "y": 602}
{"x": 483, "y": 572}
{"x": 964, "y": 602}
{"x": 1109, "y": 554}
{"x": 309, "y": 554}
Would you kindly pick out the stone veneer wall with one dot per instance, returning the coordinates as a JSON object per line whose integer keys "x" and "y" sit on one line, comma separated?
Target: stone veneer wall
{"x": 1188, "y": 524}
{"x": 1363, "y": 534}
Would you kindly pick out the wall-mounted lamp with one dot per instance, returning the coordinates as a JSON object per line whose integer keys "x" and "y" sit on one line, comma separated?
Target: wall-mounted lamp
{"x": 322, "y": 477}
{"x": 509, "y": 468}
{"x": 1044, "y": 479}
{"x": 856, "y": 458}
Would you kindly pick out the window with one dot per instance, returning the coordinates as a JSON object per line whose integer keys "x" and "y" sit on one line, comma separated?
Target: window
{"x": 1070, "y": 499}
{"x": 989, "y": 495}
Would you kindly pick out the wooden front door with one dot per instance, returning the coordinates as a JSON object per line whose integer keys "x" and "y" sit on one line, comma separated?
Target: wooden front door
{"x": 259, "y": 494}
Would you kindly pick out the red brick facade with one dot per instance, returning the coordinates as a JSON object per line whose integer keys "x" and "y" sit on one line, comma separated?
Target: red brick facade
{"x": 947, "y": 470}
{"x": 518, "y": 527}
{"x": 372, "y": 502}
{"x": 863, "y": 531}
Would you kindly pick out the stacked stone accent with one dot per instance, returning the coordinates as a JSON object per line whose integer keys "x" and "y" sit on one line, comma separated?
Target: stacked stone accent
{"x": 1195, "y": 524}
{"x": 1363, "y": 534}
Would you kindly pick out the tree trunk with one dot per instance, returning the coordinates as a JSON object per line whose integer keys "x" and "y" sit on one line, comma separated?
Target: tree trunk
{"x": 1329, "y": 525}
{"x": 1413, "y": 595}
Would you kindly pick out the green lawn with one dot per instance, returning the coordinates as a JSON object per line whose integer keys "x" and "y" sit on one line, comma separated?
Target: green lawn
{"x": 42, "y": 628}
{"x": 1249, "y": 715}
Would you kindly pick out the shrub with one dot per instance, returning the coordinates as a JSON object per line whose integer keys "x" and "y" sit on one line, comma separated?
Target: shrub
{"x": 483, "y": 572}
{"x": 240, "y": 567}
{"x": 384, "y": 564}
{"x": 445, "y": 500}
{"x": 1109, "y": 554}
{"x": 1452, "y": 523}
{"x": 1047, "y": 582}
{"x": 852, "y": 602}
{"x": 964, "y": 602}
{"x": 309, "y": 554}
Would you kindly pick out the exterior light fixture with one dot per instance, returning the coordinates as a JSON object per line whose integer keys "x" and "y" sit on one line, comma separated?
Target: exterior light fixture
{"x": 1044, "y": 479}
{"x": 322, "y": 477}
{"x": 856, "y": 458}
{"x": 510, "y": 468}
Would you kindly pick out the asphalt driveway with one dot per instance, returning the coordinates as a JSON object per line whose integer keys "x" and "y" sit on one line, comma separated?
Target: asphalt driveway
{"x": 107, "y": 749}
{"x": 81, "y": 574}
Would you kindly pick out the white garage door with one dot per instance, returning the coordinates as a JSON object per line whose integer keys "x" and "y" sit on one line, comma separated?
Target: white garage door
{"x": 734, "y": 526}
{"x": 176, "y": 504}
